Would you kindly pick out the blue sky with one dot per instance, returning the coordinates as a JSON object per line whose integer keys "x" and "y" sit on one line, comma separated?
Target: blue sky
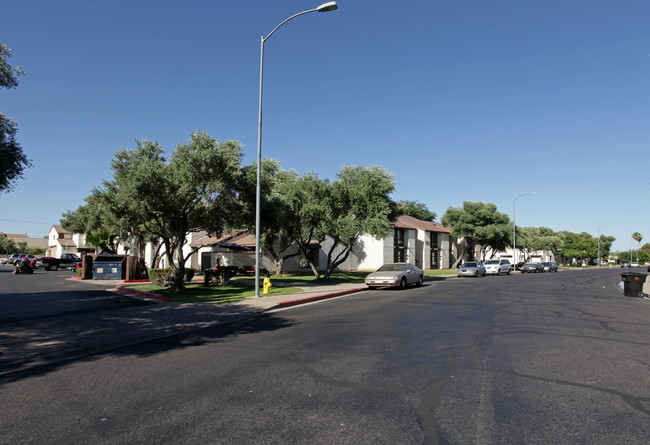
{"x": 459, "y": 100}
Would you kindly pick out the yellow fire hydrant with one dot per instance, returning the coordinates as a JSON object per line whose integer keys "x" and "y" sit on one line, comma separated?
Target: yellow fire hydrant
{"x": 267, "y": 284}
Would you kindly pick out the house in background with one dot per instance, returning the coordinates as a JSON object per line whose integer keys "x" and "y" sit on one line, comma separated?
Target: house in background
{"x": 60, "y": 241}
{"x": 40, "y": 243}
{"x": 428, "y": 245}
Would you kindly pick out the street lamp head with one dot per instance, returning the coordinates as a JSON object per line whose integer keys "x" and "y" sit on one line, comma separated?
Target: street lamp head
{"x": 326, "y": 7}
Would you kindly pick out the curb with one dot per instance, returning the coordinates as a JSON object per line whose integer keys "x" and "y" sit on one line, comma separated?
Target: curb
{"x": 142, "y": 293}
{"x": 316, "y": 298}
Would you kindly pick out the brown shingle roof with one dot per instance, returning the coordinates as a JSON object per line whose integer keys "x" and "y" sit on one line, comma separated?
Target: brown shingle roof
{"x": 408, "y": 222}
{"x": 59, "y": 229}
{"x": 242, "y": 238}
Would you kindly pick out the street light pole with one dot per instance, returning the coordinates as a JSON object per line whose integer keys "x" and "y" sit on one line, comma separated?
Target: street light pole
{"x": 599, "y": 242}
{"x": 514, "y": 227}
{"x": 325, "y": 7}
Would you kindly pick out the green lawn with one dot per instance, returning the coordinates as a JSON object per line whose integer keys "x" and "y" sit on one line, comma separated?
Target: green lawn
{"x": 198, "y": 293}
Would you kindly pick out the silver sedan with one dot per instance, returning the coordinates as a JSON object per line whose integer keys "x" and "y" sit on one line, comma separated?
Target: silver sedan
{"x": 395, "y": 275}
{"x": 471, "y": 269}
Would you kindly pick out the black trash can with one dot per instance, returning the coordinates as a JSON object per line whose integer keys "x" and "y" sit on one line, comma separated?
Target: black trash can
{"x": 633, "y": 284}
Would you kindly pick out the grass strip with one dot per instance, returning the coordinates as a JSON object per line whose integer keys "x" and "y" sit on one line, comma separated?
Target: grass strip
{"x": 198, "y": 293}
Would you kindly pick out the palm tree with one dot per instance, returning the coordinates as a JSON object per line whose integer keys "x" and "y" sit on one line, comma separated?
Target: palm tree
{"x": 637, "y": 237}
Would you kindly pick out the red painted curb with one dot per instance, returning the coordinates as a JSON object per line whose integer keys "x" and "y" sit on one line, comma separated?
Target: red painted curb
{"x": 317, "y": 298}
{"x": 142, "y": 293}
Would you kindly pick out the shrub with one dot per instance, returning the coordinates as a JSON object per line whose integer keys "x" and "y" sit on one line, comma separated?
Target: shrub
{"x": 165, "y": 277}
{"x": 189, "y": 274}
{"x": 161, "y": 277}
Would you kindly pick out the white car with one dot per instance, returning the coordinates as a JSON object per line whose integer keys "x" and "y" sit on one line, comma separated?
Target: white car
{"x": 635, "y": 264}
{"x": 3, "y": 260}
{"x": 395, "y": 275}
{"x": 498, "y": 267}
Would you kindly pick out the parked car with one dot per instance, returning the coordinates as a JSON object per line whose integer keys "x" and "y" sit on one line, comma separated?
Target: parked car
{"x": 532, "y": 268}
{"x": 20, "y": 258}
{"x": 497, "y": 267}
{"x": 471, "y": 269}
{"x": 625, "y": 263}
{"x": 14, "y": 257}
{"x": 4, "y": 260}
{"x": 635, "y": 264}
{"x": 395, "y": 275}
{"x": 549, "y": 266}
{"x": 519, "y": 264}
{"x": 67, "y": 260}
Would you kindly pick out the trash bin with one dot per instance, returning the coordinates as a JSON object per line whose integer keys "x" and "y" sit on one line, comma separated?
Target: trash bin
{"x": 109, "y": 267}
{"x": 633, "y": 284}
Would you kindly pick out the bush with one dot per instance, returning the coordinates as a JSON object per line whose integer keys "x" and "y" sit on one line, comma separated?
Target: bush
{"x": 161, "y": 277}
{"x": 165, "y": 277}
{"x": 189, "y": 274}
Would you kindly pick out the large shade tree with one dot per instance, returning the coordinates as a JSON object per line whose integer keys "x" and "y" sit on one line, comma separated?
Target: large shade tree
{"x": 472, "y": 223}
{"x": 360, "y": 204}
{"x": 13, "y": 161}
{"x": 306, "y": 202}
{"x": 194, "y": 189}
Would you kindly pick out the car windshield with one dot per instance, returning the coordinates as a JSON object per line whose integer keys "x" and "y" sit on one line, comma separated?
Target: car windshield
{"x": 546, "y": 264}
{"x": 470, "y": 265}
{"x": 392, "y": 268}
{"x": 491, "y": 262}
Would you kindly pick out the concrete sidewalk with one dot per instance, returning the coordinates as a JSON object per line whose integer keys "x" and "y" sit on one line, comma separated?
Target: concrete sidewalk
{"x": 30, "y": 343}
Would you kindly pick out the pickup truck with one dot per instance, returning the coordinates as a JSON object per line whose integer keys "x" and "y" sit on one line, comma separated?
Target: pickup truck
{"x": 50, "y": 263}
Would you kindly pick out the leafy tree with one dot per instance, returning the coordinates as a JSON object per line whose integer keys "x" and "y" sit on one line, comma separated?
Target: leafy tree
{"x": 102, "y": 241}
{"x": 581, "y": 246}
{"x": 307, "y": 199}
{"x": 605, "y": 245}
{"x": 415, "y": 209}
{"x": 7, "y": 246}
{"x": 471, "y": 222}
{"x": 195, "y": 189}
{"x": 496, "y": 237}
{"x": 360, "y": 204}
{"x": 13, "y": 161}
{"x": 645, "y": 248}
{"x": 274, "y": 212}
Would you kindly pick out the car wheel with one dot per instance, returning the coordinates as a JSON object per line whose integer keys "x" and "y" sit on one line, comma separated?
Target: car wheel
{"x": 53, "y": 267}
{"x": 509, "y": 270}
{"x": 402, "y": 284}
{"x": 420, "y": 281}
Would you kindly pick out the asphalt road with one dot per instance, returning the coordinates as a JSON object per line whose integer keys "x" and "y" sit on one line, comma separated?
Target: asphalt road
{"x": 548, "y": 358}
{"x": 49, "y": 294}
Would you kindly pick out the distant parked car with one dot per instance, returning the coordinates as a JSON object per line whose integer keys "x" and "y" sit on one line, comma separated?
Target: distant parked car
{"x": 635, "y": 264}
{"x": 497, "y": 267}
{"x": 471, "y": 269}
{"x": 519, "y": 264}
{"x": 549, "y": 266}
{"x": 625, "y": 263}
{"x": 395, "y": 275}
{"x": 20, "y": 258}
{"x": 532, "y": 268}
{"x": 4, "y": 260}
{"x": 15, "y": 257}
